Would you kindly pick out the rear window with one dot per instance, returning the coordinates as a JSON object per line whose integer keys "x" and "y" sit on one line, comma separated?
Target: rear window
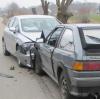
{"x": 90, "y": 38}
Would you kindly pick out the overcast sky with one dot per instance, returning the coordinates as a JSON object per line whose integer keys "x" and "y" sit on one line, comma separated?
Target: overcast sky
{"x": 27, "y": 3}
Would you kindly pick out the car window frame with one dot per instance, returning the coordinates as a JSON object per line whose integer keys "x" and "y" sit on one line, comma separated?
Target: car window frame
{"x": 50, "y": 35}
{"x": 16, "y": 20}
{"x": 9, "y": 22}
{"x": 62, "y": 37}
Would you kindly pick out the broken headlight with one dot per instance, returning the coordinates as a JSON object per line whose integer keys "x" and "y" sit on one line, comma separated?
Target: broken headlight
{"x": 26, "y": 47}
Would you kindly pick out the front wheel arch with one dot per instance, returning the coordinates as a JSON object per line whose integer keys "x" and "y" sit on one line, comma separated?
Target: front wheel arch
{"x": 3, "y": 39}
{"x": 17, "y": 45}
{"x": 59, "y": 72}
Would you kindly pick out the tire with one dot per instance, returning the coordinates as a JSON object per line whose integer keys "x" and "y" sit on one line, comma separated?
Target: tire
{"x": 32, "y": 61}
{"x": 5, "y": 52}
{"x": 65, "y": 94}
{"x": 38, "y": 68}
{"x": 33, "y": 64}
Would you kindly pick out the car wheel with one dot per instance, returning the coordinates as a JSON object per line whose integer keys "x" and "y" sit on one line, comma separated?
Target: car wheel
{"x": 5, "y": 52}
{"x": 32, "y": 61}
{"x": 33, "y": 64}
{"x": 38, "y": 69}
{"x": 65, "y": 94}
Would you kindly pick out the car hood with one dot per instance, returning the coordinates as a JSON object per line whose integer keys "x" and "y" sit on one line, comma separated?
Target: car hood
{"x": 30, "y": 36}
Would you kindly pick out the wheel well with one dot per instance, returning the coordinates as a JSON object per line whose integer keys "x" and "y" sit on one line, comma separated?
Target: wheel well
{"x": 2, "y": 38}
{"x": 59, "y": 71}
{"x": 17, "y": 46}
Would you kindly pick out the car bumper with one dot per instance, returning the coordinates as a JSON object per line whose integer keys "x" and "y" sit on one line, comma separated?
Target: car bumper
{"x": 27, "y": 59}
{"x": 84, "y": 87}
{"x": 84, "y": 83}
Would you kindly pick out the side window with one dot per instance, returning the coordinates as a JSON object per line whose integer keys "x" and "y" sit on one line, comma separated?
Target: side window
{"x": 10, "y": 23}
{"x": 16, "y": 24}
{"x": 54, "y": 37}
{"x": 67, "y": 41}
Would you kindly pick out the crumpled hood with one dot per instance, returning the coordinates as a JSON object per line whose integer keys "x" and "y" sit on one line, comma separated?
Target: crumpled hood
{"x": 32, "y": 36}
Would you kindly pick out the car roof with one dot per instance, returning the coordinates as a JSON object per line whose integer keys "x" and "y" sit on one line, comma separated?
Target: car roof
{"x": 33, "y": 16}
{"x": 80, "y": 25}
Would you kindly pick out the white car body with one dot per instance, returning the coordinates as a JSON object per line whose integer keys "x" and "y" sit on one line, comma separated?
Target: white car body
{"x": 12, "y": 40}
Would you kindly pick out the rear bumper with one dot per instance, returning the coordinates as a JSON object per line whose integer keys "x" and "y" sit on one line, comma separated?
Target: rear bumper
{"x": 84, "y": 86}
{"x": 84, "y": 83}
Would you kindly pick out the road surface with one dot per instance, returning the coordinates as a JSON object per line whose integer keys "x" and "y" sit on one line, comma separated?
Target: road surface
{"x": 23, "y": 83}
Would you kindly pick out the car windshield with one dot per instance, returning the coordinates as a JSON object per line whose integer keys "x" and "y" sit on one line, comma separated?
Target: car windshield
{"x": 38, "y": 24}
{"x": 92, "y": 36}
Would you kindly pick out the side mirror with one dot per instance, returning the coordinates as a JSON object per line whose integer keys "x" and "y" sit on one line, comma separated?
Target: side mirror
{"x": 39, "y": 40}
{"x": 13, "y": 29}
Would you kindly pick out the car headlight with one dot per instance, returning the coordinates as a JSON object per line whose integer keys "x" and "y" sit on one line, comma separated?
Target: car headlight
{"x": 25, "y": 48}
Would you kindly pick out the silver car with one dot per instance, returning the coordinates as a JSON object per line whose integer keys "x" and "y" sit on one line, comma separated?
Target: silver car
{"x": 70, "y": 55}
{"x": 22, "y": 32}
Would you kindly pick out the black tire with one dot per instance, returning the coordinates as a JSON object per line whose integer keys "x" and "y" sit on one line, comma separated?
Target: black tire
{"x": 33, "y": 64}
{"x": 5, "y": 52}
{"x": 38, "y": 68}
{"x": 32, "y": 61}
{"x": 65, "y": 94}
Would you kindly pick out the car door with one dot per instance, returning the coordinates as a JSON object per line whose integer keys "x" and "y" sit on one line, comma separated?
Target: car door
{"x": 48, "y": 48}
{"x": 13, "y": 36}
{"x": 64, "y": 54}
{"x": 7, "y": 34}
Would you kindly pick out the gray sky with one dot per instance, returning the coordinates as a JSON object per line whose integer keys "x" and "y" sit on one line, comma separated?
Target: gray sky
{"x": 27, "y": 3}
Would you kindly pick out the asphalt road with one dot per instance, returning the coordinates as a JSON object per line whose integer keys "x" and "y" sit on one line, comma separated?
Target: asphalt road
{"x": 23, "y": 83}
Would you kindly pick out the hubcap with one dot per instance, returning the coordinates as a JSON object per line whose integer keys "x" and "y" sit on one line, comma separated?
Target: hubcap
{"x": 64, "y": 89}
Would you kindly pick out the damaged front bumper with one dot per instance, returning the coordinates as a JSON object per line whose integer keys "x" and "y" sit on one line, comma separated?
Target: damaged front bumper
{"x": 26, "y": 54}
{"x": 26, "y": 59}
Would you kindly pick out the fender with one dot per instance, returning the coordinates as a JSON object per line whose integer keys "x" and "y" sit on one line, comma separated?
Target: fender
{"x": 64, "y": 70}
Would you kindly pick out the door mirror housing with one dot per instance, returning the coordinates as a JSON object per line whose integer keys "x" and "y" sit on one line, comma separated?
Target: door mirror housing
{"x": 39, "y": 40}
{"x": 13, "y": 29}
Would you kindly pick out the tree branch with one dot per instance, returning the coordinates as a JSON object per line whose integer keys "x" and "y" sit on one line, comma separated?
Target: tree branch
{"x": 43, "y": 4}
{"x": 58, "y": 3}
{"x": 63, "y": 2}
{"x": 67, "y": 3}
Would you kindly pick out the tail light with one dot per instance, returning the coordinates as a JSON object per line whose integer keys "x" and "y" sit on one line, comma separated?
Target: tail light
{"x": 87, "y": 66}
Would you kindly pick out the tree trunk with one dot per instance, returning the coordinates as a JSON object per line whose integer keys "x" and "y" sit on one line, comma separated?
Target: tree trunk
{"x": 62, "y": 14}
{"x": 34, "y": 11}
{"x": 45, "y": 7}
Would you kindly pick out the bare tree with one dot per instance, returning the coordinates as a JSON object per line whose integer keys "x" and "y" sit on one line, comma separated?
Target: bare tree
{"x": 62, "y": 6}
{"x": 45, "y": 6}
{"x": 12, "y": 10}
{"x": 34, "y": 11}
